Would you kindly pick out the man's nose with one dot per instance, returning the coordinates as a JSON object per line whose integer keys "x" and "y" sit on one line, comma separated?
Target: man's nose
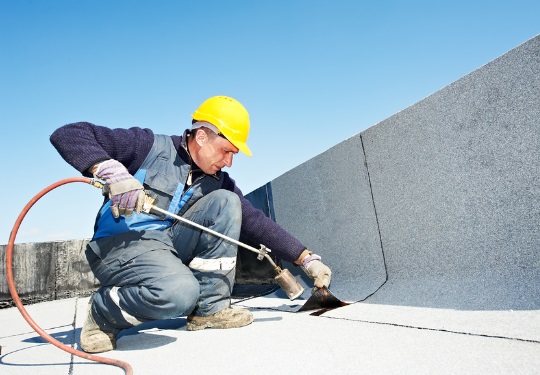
{"x": 228, "y": 159}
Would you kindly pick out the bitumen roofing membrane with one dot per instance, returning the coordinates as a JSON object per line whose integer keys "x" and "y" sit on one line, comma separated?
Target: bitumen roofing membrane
{"x": 357, "y": 338}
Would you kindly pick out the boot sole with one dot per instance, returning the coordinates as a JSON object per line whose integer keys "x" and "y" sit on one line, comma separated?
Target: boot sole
{"x": 197, "y": 326}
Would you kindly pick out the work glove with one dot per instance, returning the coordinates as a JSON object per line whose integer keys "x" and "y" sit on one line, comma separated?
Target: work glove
{"x": 317, "y": 270}
{"x": 125, "y": 191}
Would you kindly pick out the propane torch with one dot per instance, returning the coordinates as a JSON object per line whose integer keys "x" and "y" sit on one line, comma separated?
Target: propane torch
{"x": 283, "y": 277}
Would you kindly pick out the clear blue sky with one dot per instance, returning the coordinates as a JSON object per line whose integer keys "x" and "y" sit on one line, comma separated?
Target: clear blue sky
{"x": 311, "y": 73}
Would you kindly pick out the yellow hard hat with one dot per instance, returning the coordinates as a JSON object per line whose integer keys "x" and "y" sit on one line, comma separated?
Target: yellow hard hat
{"x": 230, "y": 118}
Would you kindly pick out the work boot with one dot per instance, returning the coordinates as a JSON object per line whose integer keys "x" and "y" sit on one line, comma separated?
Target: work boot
{"x": 95, "y": 339}
{"x": 226, "y": 318}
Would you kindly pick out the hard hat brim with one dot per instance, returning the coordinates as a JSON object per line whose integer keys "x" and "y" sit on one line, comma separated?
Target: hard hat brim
{"x": 242, "y": 147}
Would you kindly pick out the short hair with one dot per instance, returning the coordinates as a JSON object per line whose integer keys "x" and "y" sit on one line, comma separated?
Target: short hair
{"x": 209, "y": 132}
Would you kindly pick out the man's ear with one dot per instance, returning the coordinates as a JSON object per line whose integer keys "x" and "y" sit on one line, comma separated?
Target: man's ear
{"x": 201, "y": 137}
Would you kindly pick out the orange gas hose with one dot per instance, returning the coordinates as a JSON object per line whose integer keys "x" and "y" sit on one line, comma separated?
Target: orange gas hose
{"x": 11, "y": 284}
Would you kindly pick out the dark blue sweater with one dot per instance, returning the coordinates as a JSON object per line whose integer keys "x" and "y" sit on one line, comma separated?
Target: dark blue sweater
{"x": 83, "y": 145}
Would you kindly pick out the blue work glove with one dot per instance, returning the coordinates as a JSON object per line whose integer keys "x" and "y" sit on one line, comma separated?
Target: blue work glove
{"x": 317, "y": 270}
{"x": 125, "y": 191}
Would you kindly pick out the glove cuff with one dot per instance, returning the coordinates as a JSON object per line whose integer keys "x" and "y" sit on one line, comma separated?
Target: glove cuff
{"x": 309, "y": 259}
{"x": 96, "y": 172}
{"x": 125, "y": 186}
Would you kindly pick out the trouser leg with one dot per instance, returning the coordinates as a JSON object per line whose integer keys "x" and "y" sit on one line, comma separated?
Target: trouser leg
{"x": 153, "y": 285}
{"x": 211, "y": 258}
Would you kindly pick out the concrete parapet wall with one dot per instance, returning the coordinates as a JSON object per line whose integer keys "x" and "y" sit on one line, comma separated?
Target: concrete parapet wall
{"x": 47, "y": 271}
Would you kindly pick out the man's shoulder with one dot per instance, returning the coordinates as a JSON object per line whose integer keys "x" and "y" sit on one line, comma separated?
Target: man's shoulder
{"x": 176, "y": 139}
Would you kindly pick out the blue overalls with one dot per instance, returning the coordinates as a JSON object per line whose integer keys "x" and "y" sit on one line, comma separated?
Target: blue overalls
{"x": 152, "y": 267}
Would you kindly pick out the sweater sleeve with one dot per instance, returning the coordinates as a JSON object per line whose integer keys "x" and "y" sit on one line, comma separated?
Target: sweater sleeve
{"x": 259, "y": 229}
{"x": 83, "y": 145}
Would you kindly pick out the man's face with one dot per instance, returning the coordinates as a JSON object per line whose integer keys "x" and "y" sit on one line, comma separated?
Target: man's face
{"x": 214, "y": 154}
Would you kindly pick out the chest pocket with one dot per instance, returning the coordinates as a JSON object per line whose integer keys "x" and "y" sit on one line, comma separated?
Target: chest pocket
{"x": 166, "y": 190}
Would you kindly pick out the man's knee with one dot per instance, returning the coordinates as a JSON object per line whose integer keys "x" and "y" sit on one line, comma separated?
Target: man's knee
{"x": 228, "y": 200}
{"x": 171, "y": 296}
{"x": 229, "y": 204}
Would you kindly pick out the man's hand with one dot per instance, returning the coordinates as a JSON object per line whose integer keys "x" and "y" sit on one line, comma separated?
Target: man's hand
{"x": 125, "y": 191}
{"x": 317, "y": 270}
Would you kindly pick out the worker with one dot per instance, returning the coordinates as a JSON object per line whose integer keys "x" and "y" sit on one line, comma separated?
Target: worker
{"x": 151, "y": 266}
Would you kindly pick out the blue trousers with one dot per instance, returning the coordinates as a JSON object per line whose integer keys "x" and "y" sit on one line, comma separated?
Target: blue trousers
{"x": 155, "y": 275}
